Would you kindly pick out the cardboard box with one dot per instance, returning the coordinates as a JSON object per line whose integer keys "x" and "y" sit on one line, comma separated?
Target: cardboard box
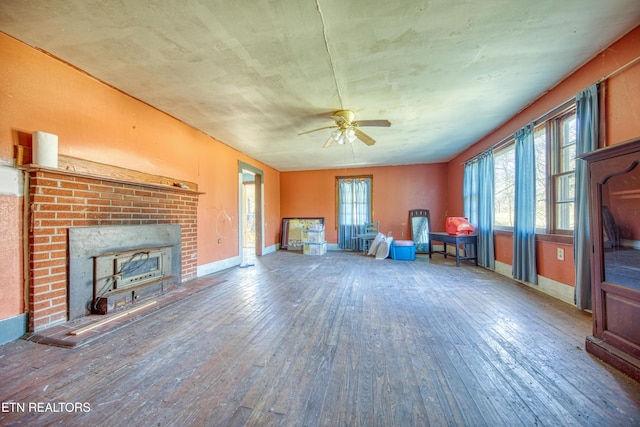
{"x": 313, "y": 236}
{"x": 314, "y": 248}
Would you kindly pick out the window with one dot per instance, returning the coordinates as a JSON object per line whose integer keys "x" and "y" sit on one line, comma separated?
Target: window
{"x": 504, "y": 172}
{"x": 540, "y": 142}
{"x": 354, "y": 200}
{"x": 563, "y": 173}
{"x": 353, "y": 204}
{"x": 555, "y": 145}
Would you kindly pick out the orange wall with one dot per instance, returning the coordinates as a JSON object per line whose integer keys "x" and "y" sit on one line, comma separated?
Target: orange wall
{"x": 97, "y": 122}
{"x": 622, "y": 93}
{"x": 396, "y": 190}
{"x": 550, "y": 266}
{"x": 546, "y": 255}
{"x": 504, "y": 248}
{"x": 622, "y": 122}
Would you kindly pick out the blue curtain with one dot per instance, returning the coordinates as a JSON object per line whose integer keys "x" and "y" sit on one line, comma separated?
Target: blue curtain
{"x": 470, "y": 191}
{"x": 470, "y": 199}
{"x": 478, "y": 193}
{"x": 353, "y": 210}
{"x": 587, "y": 117}
{"x": 524, "y": 229}
{"x": 486, "y": 255}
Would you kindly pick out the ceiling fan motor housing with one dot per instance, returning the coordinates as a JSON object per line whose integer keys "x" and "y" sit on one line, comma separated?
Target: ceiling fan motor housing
{"x": 347, "y": 117}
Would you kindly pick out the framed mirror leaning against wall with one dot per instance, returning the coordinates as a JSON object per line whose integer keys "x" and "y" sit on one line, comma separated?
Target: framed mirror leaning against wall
{"x": 420, "y": 228}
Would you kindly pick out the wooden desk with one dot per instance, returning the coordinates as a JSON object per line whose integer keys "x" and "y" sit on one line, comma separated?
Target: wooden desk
{"x": 457, "y": 241}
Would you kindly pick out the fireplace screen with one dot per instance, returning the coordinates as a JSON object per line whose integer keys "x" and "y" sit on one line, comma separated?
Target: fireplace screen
{"x": 138, "y": 268}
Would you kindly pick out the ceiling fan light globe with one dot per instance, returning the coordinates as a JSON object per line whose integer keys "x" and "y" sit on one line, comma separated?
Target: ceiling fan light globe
{"x": 350, "y": 135}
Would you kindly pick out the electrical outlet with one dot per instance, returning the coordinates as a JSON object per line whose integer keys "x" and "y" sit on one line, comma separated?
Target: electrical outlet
{"x": 561, "y": 254}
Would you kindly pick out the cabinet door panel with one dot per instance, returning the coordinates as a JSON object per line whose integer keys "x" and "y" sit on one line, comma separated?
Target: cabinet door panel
{"x": 621, "y": 317}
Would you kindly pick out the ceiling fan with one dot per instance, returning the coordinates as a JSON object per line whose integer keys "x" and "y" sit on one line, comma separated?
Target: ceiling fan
{"x": 347, "y": 130}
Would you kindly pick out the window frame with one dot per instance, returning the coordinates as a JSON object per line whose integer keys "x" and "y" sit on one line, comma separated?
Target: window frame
{"x": 337, "y": 194}
{"x": 554, "y": 169}
{"x": 551, "y": 123}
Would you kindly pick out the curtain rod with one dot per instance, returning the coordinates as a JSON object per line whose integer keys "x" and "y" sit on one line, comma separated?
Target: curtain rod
{"x": 619, "y": 70}
{"x": 557, "y": 109}
{"x": 561, "y": 106}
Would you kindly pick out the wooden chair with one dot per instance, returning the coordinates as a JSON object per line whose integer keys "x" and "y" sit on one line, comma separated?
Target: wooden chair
{"x": 371, "y": 230}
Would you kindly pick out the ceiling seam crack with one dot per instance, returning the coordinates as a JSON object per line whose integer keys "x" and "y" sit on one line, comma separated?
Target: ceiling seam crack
{"x": 326, "y": 46}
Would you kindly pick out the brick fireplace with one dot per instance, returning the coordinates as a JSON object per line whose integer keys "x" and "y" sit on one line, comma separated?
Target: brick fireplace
{"x": 60, "y": 200}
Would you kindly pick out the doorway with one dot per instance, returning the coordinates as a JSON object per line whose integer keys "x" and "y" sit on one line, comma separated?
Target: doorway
{"x": 249, "y": 213}
{"x": 250, "y": 199}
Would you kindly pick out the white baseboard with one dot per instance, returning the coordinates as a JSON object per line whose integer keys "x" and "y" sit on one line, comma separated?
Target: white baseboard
{"x": 216, "y": 266}
{"x": 223, "y": 264}
{"x": 271, "y": 249}
{"x": 558, "y": 290}
{"x": 635, "y": 244}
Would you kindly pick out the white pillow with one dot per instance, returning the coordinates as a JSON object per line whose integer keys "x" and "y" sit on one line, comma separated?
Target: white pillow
{"x": 375, "y": 243}
{"x": 383, "y": 249}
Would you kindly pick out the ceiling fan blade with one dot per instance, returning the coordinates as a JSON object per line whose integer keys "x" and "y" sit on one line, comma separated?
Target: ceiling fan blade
{"x": 380, "y": 123}
{"x": 329, "y": 142}
{"x": 314, "y": 130}
{"x": 364, "y": 137}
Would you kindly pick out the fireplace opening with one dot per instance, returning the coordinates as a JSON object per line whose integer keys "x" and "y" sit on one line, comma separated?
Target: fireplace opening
{"x": 114, "y": 267}
{"x": 122, "y": 277}
{"x": 132, "y": 270}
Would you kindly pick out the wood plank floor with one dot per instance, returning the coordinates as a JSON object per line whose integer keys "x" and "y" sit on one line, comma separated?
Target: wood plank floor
{"x": 336, "y": 340}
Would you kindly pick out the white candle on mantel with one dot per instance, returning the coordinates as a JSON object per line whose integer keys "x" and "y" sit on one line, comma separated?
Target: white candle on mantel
{"x": 45, "y": 149}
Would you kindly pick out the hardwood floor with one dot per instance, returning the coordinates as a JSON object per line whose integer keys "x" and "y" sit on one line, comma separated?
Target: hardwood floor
{"x": 336, "y": 340}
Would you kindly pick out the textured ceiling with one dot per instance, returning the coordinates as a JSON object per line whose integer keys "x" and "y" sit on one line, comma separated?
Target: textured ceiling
{"x": 254, "y": 75}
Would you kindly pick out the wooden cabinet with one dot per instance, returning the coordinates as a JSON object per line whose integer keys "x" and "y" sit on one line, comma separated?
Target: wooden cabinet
{"x": 614, "y": 199}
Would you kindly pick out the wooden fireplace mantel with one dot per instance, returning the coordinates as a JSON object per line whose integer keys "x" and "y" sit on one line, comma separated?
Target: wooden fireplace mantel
{"x": 73, "y": 166}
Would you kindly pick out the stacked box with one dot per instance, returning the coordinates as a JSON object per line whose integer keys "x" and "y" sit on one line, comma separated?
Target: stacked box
{"x": 314, "y": 248}
{"x": 313, "y": 236}
{"x": 314, "y": 243}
